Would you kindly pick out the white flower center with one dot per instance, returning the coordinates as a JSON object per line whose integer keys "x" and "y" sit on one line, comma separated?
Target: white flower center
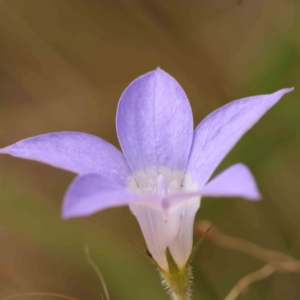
{"x": 162, "y": 229}
{"x": 167, "y": 182}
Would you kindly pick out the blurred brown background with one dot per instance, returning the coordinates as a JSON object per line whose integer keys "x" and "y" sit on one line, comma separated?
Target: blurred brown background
{"x": 63, "y": 66}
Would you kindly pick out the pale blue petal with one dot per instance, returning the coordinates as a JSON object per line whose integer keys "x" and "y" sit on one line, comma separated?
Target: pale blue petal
{"x": 236, "y": 181}
{"x": 217, "y": 134}
{"x": 91, "y": 193}
{"x": 155, "y": 124}
{"x": 74, "y": 151}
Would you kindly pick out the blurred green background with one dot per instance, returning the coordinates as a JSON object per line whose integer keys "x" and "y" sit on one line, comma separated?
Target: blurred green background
{"x": 63, "y": 66}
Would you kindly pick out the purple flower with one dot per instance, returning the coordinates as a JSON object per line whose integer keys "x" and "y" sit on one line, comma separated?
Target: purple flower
{"x": 165, "y": 165}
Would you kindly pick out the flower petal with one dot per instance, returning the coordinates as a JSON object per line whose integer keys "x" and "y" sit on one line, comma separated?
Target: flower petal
{"x": 172, "y": 228}
{"x": 182, "y": 245}
{"x": 236, "y": 181}
{"x": 90, "y": 193}
{"x": 155, "y": 123}
{"x": 216, "y": 135}
{"x": 73, "y": 151}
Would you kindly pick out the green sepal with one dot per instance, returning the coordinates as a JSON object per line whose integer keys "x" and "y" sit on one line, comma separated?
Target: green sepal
{"x": 197, "y": 245}
{"x": 177, "y": 280}
{"x": 173, "y": 268}
{"x": 144, "y": 252}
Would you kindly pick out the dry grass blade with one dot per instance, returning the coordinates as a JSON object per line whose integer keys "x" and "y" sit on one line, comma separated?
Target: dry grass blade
{"x": 229, "y": 242}
{"x": 39, "y": 294}
{"x": 270, "y": 268}
{"x": 264, "y": 272}
{"x": 99, "y": 274}
{"x": 277, "y": 261}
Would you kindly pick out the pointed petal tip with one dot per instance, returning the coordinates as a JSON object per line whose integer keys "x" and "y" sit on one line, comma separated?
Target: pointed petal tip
{"x": 3, "y": 151}
{"x": 254, "y": 197}
{"x": 259, "y": 196}
{"x": 156, "y": 72}
{"x": 67, "y": 215}
{"x": 162, "y": 72}
{"x": 287, "y": 90}
{"x": 283, "y": 91}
